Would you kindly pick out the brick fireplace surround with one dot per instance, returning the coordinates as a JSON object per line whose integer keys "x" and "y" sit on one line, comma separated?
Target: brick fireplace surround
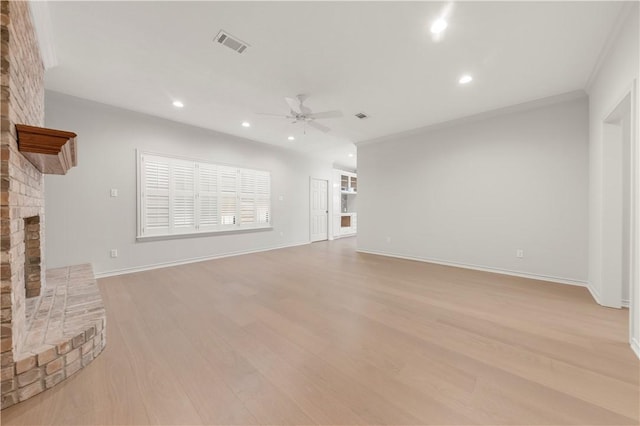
{"x": 52, "y": 323}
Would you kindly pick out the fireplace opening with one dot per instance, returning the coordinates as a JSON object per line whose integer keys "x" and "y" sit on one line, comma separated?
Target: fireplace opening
{"x": 32, "y": 258}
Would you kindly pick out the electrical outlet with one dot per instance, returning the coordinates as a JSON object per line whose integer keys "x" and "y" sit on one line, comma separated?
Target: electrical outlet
{"x": 520, "y": 253}
{"x": 113, "y": 252}
{"x": 114, "y": 192}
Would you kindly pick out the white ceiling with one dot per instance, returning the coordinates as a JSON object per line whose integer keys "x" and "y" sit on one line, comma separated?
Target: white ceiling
{"x": 375, "y": 57}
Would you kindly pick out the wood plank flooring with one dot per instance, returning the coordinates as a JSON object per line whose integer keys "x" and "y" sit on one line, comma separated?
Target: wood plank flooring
{"x": 320, "y": 334}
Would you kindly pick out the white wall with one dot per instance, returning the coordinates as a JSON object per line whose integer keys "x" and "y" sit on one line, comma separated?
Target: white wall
{"x": 84, "y": 222}
{"x": 474, "y": 192}
{"x": 613, "y": 81}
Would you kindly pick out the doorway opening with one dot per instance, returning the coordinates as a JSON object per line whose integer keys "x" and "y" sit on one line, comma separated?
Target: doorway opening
{"x": 617, "y": 202}
{"x": 620, "y": 227}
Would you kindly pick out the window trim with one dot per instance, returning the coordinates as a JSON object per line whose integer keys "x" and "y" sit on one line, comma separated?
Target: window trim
{"x": 196, "y": 232}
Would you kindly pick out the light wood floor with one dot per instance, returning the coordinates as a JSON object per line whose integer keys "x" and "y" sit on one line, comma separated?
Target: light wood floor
{"x": 321, "y": 334}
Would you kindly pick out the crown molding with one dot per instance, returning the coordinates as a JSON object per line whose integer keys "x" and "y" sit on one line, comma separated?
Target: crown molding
{"x": 625, "y": 13}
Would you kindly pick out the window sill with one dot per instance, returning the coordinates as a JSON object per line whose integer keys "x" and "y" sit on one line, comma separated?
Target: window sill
{"x": 141, "y": 239}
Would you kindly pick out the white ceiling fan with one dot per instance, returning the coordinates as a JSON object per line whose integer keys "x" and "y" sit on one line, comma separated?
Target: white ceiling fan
{"x": 301, "y": 113}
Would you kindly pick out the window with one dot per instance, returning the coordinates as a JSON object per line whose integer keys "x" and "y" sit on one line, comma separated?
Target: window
{"x": 179, "y": 196}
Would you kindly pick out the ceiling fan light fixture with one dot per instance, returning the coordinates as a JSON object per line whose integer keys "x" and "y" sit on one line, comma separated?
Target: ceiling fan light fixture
{"x": 299, "y": 113}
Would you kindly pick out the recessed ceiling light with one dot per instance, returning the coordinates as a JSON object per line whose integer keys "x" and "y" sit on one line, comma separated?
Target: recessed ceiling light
{"x": 178, "y": 104}
{"x": 291, "y": 138}
{"x": 350, "y": 155}
{"x": 465, "y": 79}
{"x": 438, "y": 26}
{"x": 246, "y": 124}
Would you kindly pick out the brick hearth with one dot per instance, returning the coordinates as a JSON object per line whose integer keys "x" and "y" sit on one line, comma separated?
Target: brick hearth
{"x": 65, "y": 332}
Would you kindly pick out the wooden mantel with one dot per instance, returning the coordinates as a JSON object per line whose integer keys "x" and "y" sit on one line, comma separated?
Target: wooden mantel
{"x": 51, "y": 151}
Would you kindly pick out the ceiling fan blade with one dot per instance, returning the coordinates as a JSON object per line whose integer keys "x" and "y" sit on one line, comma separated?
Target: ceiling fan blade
{"x": 273, "y": 115}
{"x": 294, "y": 105}
{"x": 325, "y": 114}
{"x": 318, "y": 126}
{"x": 304, "y": 109}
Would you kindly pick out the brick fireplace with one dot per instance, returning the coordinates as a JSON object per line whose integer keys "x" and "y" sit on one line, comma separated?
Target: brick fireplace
{"x": 52, "y": 322}
{"x": 22, "y": 189}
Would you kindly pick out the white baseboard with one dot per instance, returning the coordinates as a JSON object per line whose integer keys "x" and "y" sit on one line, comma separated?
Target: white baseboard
{"x": 337, "y": 237}
{"x": 191, "y": 260}
{"x": 624, "y": 303}
{"x": 559, "y": 280}
{"x": 595, "y": 294}
{"x": 635, "y": 346}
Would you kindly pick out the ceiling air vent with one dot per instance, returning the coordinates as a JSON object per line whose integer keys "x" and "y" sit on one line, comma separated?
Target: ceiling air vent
{"x": 231, "y": 42}
{"x": 362, "y": 115}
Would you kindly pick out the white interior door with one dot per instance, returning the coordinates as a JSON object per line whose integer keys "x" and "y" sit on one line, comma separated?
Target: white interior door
{"x": 319, "y": 209}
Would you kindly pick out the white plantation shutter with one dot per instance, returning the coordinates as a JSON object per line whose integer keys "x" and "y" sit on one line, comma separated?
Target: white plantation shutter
{"x": 228, "y": 195}
{"x": 247, "y": 196}
{"x": 181, "y": 197}
{"x": 155, "y": 192}
{"x": 263, "y": 198}
{"x": 207, "y": 197}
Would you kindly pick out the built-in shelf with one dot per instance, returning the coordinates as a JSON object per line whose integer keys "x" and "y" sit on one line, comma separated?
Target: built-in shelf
{"x": 50, "y": 151}
{"x": 345, "y": 192}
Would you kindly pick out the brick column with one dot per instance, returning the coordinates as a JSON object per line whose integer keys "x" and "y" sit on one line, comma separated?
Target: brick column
{"x": 21, "y": 185}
